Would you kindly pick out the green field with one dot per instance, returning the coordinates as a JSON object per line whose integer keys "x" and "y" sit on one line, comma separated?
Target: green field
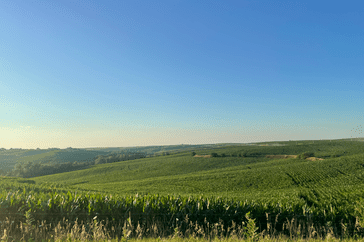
{"x": 11, "y": 159}
{"x": 326, "y": 193}
{"x": 235, "y": 177}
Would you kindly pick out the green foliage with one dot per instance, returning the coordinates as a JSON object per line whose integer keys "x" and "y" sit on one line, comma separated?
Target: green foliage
{"x": 251, "y": 229}
{"x": 36, "y": 204}
{"x": 305, "y": 155}
{"x": 359, "y": 212}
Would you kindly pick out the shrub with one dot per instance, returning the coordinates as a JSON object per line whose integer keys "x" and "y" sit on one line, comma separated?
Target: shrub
{"x": 214, "y": 155}
{"x": 305, "y": 155}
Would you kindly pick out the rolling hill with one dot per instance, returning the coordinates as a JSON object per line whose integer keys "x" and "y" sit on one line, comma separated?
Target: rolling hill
{"x": 239, "y": 177}
{"x": 11, "y": 157}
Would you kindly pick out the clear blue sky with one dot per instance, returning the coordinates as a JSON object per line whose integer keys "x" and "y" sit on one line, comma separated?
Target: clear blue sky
{"x": 135, "y": 73}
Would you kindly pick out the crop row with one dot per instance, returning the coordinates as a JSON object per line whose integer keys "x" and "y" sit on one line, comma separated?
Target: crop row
{"x": 169, "y": 210}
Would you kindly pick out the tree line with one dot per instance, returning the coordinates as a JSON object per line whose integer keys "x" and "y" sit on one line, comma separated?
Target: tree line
{"x": 38, "y": 168}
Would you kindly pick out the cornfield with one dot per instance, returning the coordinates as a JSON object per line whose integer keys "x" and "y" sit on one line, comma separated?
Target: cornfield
{"x": 142, "y": 214}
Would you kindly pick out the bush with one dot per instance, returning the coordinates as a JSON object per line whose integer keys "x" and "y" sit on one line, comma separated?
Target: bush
{"x": 214, "y": 155}
{"x": 305, "y": 155}
{"x": 254, "y": 154}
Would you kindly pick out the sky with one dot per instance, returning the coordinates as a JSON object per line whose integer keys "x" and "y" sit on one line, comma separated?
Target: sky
{"x": 89, "y": 73}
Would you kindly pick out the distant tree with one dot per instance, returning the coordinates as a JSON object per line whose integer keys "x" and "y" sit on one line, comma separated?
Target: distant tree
{"x": 305, "y": 155}
{"x": 214, "y": 155}
{"x": 193, "y": 153}
{"x": 223, "y": 155}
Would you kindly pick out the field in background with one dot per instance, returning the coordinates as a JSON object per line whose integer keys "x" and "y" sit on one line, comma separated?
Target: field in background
{"x": 35, "y": 162}
{"x": 239, "y": 171}
{"x": 10, "y": 157}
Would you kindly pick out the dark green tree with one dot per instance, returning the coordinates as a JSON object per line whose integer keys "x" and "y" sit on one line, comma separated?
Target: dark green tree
{"x": 306, "y": 155}
{"x": 214, "y": 155}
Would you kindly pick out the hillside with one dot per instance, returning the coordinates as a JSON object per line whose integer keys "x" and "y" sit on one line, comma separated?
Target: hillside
{"x": 64, "y": 155}
{"x": 251, "y": 177}
{"x": 9, "y": 159}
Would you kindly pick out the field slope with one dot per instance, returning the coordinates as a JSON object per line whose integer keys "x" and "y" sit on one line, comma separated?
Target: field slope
{"x": 251, "y": 177}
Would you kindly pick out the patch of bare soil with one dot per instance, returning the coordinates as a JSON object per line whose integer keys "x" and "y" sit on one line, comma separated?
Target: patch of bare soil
{"x": 203, "y": 156}
{"x": 314, "y": 158}
{"x": 281, "y": 156}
